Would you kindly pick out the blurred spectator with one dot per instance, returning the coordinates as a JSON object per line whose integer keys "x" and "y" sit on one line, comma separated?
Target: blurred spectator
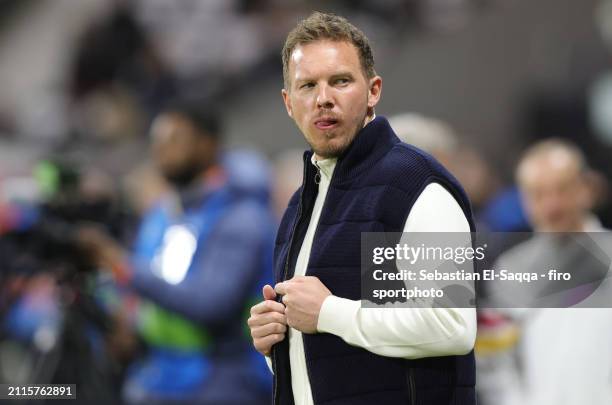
{"x": 564, "y": 355}
{"x": 288, "y": 178}
{"x": 203, "y": 251}
{"x": 117, "y": 78}
{"x": 429, "y": 134}
{"x": 495, "y": 208}
{"x": 144, "y": 187}
{"x": 552, "y": 176}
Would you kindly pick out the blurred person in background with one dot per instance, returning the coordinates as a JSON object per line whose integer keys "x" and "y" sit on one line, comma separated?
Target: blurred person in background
{"x": 202, "y": 253}
{"x": 496, "y": 208}
{"x": 553, "y": 177}
{"x": 497, "y": 211}
{"x": 118, "y": 80}
{"x": 357, "y": 177}
{"x": 287, "y": 178}
{"x": 564, "y": 355}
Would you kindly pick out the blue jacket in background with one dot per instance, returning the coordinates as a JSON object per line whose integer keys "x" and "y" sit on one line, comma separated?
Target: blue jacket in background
{"x": 200, "y": 261}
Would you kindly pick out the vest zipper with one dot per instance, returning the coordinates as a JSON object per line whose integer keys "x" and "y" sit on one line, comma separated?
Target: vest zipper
{"x": 314, "y": 237}
{"x": 274, "y": 378}
{"x": 295, "y": 225}
{"x": 286, "y": 271}
{"x": 306, "y": 273}
{"x": 317, "y": 180}
{"x": 412, "y": 386}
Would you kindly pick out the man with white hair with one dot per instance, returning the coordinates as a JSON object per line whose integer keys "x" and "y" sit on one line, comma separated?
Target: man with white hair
{"x": 564, "y": 355}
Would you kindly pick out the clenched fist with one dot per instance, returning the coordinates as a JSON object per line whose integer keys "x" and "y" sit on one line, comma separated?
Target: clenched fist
{"x": 303, "y": 298}
{"x": 267, "y": 322}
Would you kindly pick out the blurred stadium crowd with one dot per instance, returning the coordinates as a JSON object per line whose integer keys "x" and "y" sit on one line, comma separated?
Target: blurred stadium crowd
{"x": 90, "y": 158}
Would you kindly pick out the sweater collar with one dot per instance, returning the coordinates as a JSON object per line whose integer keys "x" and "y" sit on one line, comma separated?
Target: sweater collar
{"x": 326, "y": 166}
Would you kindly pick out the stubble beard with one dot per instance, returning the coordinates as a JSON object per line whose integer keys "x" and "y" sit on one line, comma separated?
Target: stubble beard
{"x": 330, "y": 151}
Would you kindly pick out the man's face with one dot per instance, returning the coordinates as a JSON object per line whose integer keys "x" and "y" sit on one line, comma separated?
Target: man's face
{"x": 180, "y": 153}
{"x": 329, "y": 96}
{"x": 554, "y": 193}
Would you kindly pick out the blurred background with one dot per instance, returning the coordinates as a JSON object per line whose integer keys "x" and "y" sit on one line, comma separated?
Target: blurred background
{"x": 474, "y": 82}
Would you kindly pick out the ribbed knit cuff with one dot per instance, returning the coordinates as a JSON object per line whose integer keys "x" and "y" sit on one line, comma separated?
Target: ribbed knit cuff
{"x": 336, "y": 315}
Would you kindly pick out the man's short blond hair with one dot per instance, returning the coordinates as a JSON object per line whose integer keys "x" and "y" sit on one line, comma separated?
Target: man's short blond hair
{"x": 323, "y": 26}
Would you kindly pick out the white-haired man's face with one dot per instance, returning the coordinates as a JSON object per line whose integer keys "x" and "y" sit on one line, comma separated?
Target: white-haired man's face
{"x": 555, "y": 194}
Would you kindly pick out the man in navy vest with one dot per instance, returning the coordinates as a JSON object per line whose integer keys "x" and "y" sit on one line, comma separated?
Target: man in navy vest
{"x": 323, "y": 348}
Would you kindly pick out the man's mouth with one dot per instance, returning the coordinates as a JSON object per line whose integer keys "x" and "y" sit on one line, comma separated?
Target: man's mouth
{"x": 326, "y": 123}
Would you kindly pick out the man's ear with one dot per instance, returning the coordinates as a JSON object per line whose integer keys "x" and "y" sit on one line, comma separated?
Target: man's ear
{"x": 287, "y": 102}
{"x": 374, "y": 91}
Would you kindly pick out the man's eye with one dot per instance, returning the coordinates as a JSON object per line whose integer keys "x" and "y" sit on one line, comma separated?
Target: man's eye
{"x": 342, "y": 81}
{"x": 307, "y": 86}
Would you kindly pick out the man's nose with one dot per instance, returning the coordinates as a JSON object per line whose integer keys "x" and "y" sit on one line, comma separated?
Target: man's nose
{"x": 324, "y": 97}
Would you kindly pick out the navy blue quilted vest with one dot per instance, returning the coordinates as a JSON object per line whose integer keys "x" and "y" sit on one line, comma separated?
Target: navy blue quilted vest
{"x": 373, "y": 188}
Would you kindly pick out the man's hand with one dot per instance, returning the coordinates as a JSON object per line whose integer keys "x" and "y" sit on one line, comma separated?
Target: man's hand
{"x": 267, "y": 322}
{"x": 100, "y": 246}
{"x": 303, "y": 298}
{"x": 104, "y": 251}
